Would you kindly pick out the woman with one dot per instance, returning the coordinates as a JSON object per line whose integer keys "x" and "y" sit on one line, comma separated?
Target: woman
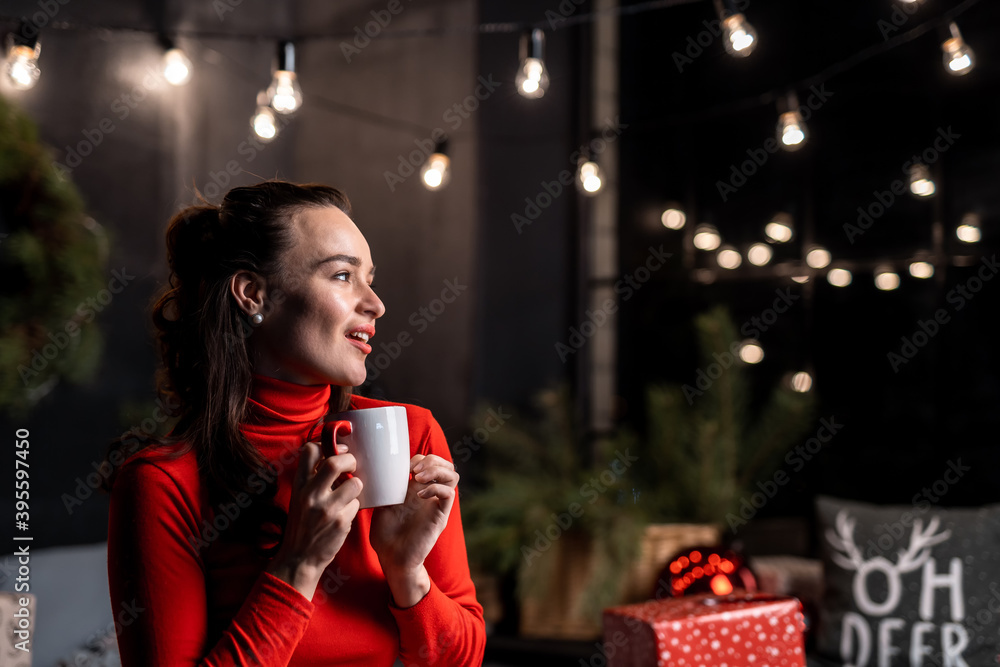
{"x": 234, "y": 541}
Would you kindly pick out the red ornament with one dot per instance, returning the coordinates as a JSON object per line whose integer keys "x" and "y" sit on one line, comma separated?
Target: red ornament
{"x": 706, "y": 570}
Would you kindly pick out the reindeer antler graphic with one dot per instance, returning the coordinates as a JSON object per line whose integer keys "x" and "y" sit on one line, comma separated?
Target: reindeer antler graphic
{"x": 843, "y": 540}
{"x": 920, "y": 545}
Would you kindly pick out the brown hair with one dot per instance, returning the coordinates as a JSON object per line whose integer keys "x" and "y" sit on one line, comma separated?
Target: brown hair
{"x": 202, "y": 333}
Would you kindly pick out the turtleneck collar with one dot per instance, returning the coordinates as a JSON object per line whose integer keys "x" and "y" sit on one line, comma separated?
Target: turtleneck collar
{"x": 281, "y": 408}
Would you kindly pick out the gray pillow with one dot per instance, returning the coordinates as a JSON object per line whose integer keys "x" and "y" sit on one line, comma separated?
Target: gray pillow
{"x": 909, "y": 584}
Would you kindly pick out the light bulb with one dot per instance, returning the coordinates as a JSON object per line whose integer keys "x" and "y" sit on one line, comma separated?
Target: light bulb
{"x": 779, "y": 229}
{"x": 436, "y": 172}
{"x": 728, "y": 257}
{"x": 921, "y": 269}
{"x": 532, "y": 80}
{"x": 886, "y": 279}
{"x": 801, "y": 382}
{"x": 759, "y": 254}
{"x": 791, "y": 130}
{"x": 958, "y": 57}
{"x": 751, "y": 352}
{"x": 706, "y": 237}
{"x": 673, "y": 218}
{"x": 176, "y": 67}
{"x": 969, "y": 231}
{"x": 284, "y": 93}
{"x": 589, "y": 177}
{"x": 840, "y": 277}
{"x": 801, "y": 278}
{"x": 741, "y": 38}
{"x": 22, "y": 65}
{"x": 920, "y": 181}
{"x": 818, "y": 257}
{"x": 264, "y": 123}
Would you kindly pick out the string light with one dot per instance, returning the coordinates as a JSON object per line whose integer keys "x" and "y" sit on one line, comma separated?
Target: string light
{"x": 759, "y": 254}
{"x": 969, "y": 231}
{"x": 958, "y": 57}
{"x": 921, "y": 269}
{"x": 176, "y": 65}
{"x": 22, "y": 60}
{"x": 818, "y": 257}
{"x": 284, "y": 94}
{"x": 801, "y": 278}
{"x": 920, "y": 180}
{"x": 264, "y": 122}
{"x": 886, "y": 279}
{"x": 728, "y": 257}
{"x": 436, "y": 172}
{"x": 751, "y": 352}
{"x": 706, "y": 237}
{"x": 589, "y": 177}
{"x": 673, "y": 218}
{"x": 839, "y": 277}
{"x": 532, "y": 80}
{"x": 779, "y": 229}
{"x": 741, "y": 38}
{"x": 791, "y": 128}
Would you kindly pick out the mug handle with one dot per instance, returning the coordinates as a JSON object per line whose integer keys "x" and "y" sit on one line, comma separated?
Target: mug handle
{"x": 329, "y": 439}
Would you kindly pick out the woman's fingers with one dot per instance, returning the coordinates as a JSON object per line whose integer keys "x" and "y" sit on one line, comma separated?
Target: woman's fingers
{"x": 307, "y": 462}
{"x": 442, "y": 491}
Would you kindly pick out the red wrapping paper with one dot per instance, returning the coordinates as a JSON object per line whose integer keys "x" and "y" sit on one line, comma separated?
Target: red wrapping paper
{"x": 745, "y": 630}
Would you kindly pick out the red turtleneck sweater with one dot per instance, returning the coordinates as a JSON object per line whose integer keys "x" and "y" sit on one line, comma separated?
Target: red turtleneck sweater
{"x": 185, "y": 595}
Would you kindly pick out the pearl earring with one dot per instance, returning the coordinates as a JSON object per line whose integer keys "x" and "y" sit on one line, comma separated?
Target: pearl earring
{"x": 256, "y": 319}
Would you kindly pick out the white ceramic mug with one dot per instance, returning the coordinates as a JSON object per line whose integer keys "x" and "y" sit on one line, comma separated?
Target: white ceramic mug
{"x": 380, "y": 441}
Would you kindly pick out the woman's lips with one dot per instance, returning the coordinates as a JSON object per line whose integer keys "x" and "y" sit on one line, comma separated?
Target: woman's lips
{"x": 364, "y": 347}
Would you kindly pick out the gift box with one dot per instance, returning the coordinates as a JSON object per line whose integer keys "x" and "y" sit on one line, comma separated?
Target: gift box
{"x": 744, "y": 630}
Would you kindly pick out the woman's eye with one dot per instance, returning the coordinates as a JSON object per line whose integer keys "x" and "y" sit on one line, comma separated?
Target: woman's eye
{"x": 343, "y": 274}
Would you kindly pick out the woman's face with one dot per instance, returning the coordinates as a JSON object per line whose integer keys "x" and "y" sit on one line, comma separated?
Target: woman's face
{"x": 325, "y": 295}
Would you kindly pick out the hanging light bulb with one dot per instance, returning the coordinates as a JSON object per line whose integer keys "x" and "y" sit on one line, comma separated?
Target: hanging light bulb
{"x": 818, "y": 257}
{"x": 779, "y": 229}
{"x": 264, "y": 121}
{"x": 751, "y": 352}
{"x": 589, "y": 177}
{"x": 886, "y": 279}
{"x": 284, "y": 94}
{"x": 673, "y": 218}
{"x": 800, "y": 382}
{"x": 436, "y": 172}
{"x": 958, "y": 57}
{"x": 920, "y": 180}
{"x": 969, "y": 231}
{"x": 839, "y": 277}
{"x": 921, "y": 269}
{"x": 706, "y": 237}
{"x": 801, "y": 278}
{"x": 22, "y": 60}
{"x": 791, "y": 131}
{"x": 741, "y": 38}
{"x": 176, "y": 65}
{"x": 532, "y": 79}
{"x": 728, "y": 257}
{"x": 759, "y": 254}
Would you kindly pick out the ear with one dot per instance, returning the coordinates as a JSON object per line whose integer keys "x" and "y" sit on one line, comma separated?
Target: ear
{"x": 249, "y": 290}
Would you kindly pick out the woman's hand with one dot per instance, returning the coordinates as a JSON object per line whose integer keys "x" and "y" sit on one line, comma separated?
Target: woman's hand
{"x": 403, "y": 535}
{"x": 320, "y": 515}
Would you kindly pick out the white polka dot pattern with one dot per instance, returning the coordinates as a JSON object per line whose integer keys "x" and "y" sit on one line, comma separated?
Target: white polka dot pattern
{"x": 753, "y": 629}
